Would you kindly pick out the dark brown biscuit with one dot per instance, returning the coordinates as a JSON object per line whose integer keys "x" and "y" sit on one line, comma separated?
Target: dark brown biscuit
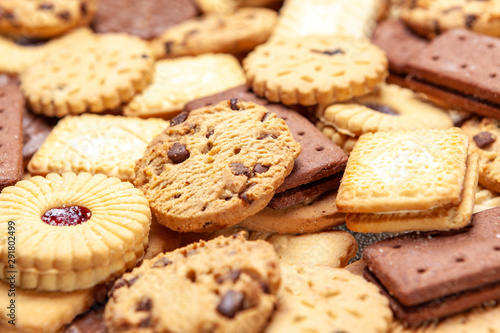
{"x": 146, "y": 18}
{"x": 11, "y": 135}
{"x": 398, "y": 43}
{"x": 36, "y": 128}
{"x": 319, "y": 157}
{"x": 420, "y": 269}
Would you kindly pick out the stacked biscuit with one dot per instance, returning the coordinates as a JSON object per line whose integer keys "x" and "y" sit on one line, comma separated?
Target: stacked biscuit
{"x": 185, "y": 166}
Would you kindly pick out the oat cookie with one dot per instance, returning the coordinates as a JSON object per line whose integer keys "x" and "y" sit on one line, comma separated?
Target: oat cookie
{"x": 315, "y": 69}
{"x": 97, "y": 144}
{"x": 216, "y": 166}
{"x": 224, "y": 285}
{"x": 484, "y": 134}
{"x": 98, "y": 73}
{"x": 323, "y": 299}
{"x": 430, "y": 18}
{"x": 235, "y": 33}
{"x": 73, "y": 231}
{"x": 485, "y": 199}
{"x": 44, "y": 18}
{"x": 178, "y": 81}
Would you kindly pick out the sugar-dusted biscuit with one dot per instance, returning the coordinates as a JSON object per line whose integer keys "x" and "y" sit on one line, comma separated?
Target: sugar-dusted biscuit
{"x": 215, "y": 166}
{"x": 178, "y": 81}
{"x": 73, "y": 231}
{"x": 227, "y": 284}
{"x": 413, "y": 170}
{"x": 41, "y": 311}
{"x": 324, "y": 299}
{"x": 97, "y": 144}
{"x": 485, "y": 135}
{"x": 485, "y": 199}
{"x": 357, "y": 18}
{"x": 98, "y": 73}
{"x": 235, "y": 33}
{"x": 11, "y": 135}
{"x": 44, "y": 18}
{"x": 431, "y": 18}
{"x": 146, "y": 18}
{"x": 315, "y": 69}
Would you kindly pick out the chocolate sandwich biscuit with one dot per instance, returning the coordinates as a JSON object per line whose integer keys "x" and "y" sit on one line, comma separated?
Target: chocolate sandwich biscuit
{"x": 36, "y": 129}
{"x": 432, "y": 275}
{"x": 11, "y": 135}
{"x": 146, "y": 18}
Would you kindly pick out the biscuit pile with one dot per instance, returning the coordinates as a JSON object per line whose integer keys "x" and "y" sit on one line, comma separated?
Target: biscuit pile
{"x": 249, "y": 166}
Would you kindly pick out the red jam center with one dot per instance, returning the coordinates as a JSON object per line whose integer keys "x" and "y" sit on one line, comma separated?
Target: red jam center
{"x": 66, "y": 216}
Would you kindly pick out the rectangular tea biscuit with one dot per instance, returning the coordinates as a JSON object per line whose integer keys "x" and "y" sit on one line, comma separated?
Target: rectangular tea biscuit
{"x": 97, "y": 144}
{"x": 404, "y": 171}
{"x": 11, "y": 135}
{"x": 440, "y": 218}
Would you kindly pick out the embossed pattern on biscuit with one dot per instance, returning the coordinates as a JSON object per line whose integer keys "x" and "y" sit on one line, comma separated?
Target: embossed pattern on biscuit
{"x": 216, "y": 165}
{"x": 97, "y": 246}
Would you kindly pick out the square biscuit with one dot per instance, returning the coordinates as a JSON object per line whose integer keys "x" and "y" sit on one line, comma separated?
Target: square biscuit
{"x": 440, "y": 218}
{"x": 404, "y": 171}
{"x": 97, "y": 144}
{"x": 180, "y": 80}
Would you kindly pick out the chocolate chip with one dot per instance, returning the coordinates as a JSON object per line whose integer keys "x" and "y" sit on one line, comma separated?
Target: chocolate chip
{"x": 484, "y": 139}
{"x": 266, "y": 135}
{"x": 244, "y": 194}
{"x": 65, "y": 16}
{"x": 470, "y": 19}
{"x": 231, "y": 303}
{"x": 119, "y": 283}
{"x": 168, "y": 47}
{"x": 144, "y": 56}
{"x": 46, "y": 6}
{"x": 232, "y": 276}
{"x": 83, "y": 9}
{"x": 206, "y": 224}
{"x": 265, "y": 287}
{"x": 145, "y": 305}
{"x": 259, "y": 168}
{"x": 179, "y": 119}
{"x": 264, "y": 117}
{"x": 382, "y": 108}
{"x": 162, "y": 262}
{"x": 178, "y": 153}
{"x": 232, "y": 104}
{"x": 239, "y": 169}
{"x": 210, "y": 132}
{"x": 146, "y": 322}
{"x": 329, "y": 52}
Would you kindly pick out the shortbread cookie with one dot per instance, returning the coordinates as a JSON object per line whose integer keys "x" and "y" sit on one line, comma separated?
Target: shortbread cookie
{"x": 435, "y": 275}
{"x": 11, "y": 138}
{"x": 216, "y": 166}
{"x": 44, "y": 18}
{"x": 485, "y": 199}
{"x": 224, "y": 285}
{"x": 178, "y": 81}
{"x": 146, "y": 18}
{"x": 235, "y": 33}
{"x": 389, "y": 108}
{"x": 346, "y": 142}
{"x": 72, "y": 231}
{"x": 97, "y": 144}
{"x": 484, "y": 134}
{"x": 38, "y": 311}
{"x": 323, "y": 299}
{"x": 315, "y": 69}
{"x": 99, "y": 73}
{"x": 431, "y": 18}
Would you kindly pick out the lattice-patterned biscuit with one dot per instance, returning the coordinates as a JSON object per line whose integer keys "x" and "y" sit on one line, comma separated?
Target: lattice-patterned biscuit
{"x": 485, "y": 134}
{"x": 73, "y": 231}
{"x": 315, "y": 69}
{"x": 404, "y": 171}
{"x": 324, "y": 299}
{"x": 299, "y": 18}
{"x": 235, "y": 33}
{"x": 98, "y": 73}
{"x": 178, "y": 81}
{"x": 440, "y": 218}
{"x": 224, "y": 285}
{"x": 216, "y": 166}
{"x": 44, "y": 18}
{"x": 97, "y": 144}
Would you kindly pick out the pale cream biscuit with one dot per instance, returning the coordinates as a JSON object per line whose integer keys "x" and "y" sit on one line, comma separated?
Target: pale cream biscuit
{"x": 73, "y": 231}
{"x": 178, "y": 81}
{"x": 97, "y": 144}
{"x": 98, "y": 73}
